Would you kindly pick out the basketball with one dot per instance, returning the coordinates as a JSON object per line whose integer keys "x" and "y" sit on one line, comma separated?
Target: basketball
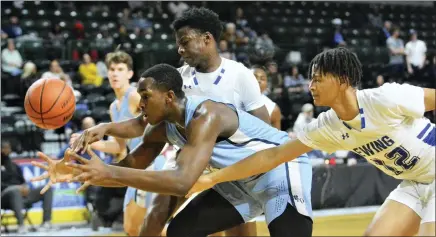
{"x": 50, "y": 103}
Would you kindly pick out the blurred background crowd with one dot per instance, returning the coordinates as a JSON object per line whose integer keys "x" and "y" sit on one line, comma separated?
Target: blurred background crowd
{"x": 69, "y": 40}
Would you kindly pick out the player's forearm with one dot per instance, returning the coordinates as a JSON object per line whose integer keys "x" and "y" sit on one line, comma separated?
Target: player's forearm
{"x": 126, "y": 129}
{"x": 112, "y": 147}
{"x": 164, "y": 182}
{"x": 258, "y": 163}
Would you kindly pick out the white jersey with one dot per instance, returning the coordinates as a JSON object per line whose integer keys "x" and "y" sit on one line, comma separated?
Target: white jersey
{"x": 391, "y": 132}
{"x": 232, "y": 82}
{"x": 269, "y": 104}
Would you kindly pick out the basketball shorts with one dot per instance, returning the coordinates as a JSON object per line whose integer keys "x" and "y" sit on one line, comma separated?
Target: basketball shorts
{"x": 418, "y": 196}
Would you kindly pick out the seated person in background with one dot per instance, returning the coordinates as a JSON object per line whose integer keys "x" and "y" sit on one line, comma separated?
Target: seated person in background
{"x": 89, "y": 73}
{"x": 295, "y": 82}
{"x": 11, "y": 59}
{"x": 16, "y": 193}
{"x": 57, "y": 72}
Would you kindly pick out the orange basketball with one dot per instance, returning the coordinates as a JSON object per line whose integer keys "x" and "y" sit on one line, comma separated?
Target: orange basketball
{"x": 50, "y": 103}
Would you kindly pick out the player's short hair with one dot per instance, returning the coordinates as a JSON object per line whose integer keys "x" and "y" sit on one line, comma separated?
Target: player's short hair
{"x": 201, "y": 19}
{"x": 166, "y": 77}
{"x": 118, "y": 57}
{"x": 341, "y": 63}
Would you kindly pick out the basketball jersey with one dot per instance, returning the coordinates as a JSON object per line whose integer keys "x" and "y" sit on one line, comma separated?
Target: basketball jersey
{"x": 392, "y": 133}
{"x": 251, "y": 136}
{"x": 124, "y": 114}
{"x": 269, "y": 104}
{"x": 232, "y": 82}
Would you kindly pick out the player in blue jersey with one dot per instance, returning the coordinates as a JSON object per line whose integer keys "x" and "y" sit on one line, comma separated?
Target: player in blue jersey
{"x": 214, "y": 135}
{"x": 124, "y": 107}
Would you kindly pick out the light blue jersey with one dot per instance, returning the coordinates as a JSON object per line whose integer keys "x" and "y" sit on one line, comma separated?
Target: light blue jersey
{"x": 267, "y": 193}
{"x": 124, "y": 114}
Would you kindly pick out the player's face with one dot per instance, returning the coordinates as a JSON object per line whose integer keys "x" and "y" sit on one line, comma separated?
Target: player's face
{"x": 119, "y": 75}
{"x": 153, "y": 102}
{"x": 324, "y": 88}
{"x": 262, "y": 79}
{"x": 191, "y": 45}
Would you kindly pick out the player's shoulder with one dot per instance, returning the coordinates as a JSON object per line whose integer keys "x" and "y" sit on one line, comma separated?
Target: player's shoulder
{"x": 236, "y": 67}
{"x": 326, "y": 119}
{"x": 185, "y": 70}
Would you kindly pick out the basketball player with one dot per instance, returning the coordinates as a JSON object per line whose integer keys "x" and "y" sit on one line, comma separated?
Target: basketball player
{"x": 385, "y": 125}
{"x": 205, "y": 73}
{"x": 124, "y": 107}
{"x": 273, "y": 110}
{"x": 213, "y": 133}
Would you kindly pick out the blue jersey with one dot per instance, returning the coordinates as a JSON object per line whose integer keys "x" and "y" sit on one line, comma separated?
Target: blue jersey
{"x": 124, "y": 114}
{"x": 252, "y": 135}
{"x": 267, "y": 193}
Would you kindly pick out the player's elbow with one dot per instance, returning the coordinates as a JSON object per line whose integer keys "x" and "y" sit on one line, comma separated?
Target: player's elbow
{"x": 181, "y": 189}
{"x": 182, "y": 185}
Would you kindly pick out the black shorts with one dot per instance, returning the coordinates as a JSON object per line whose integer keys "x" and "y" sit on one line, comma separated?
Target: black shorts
{"x": 209, "y": 213}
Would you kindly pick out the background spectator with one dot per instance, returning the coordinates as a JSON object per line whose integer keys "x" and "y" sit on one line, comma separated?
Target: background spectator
{"x": 16, "y": 194}
{"x": 11, "y": 59}
{"x": 415, "y": 56}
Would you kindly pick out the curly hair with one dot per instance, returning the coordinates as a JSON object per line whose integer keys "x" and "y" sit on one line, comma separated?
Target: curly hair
{"x": 341, "y": 63}
{"x": 201, "y": 19}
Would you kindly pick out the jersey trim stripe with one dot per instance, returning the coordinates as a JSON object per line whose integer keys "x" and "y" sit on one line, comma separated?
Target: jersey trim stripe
{"x": 421, "y": 134}
{"x": 430, "y": 138}
{"x": 288, "y": 179}
{"x": 362, "y": 118}
{"x": 252, "y": 140}
{"x": 218, "y": 79}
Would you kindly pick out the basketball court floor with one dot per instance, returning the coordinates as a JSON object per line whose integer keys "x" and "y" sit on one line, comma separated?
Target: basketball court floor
{"x": 332, "y": 222}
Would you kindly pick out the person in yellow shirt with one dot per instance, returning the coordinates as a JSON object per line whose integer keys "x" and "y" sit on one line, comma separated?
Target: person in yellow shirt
{"x": 88, "y": 72}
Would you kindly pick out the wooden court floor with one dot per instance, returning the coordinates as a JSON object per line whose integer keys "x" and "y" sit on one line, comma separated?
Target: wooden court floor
{"x": 337, "y": 225}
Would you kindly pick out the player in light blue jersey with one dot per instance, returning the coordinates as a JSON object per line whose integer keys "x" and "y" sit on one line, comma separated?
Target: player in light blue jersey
{"x": 212, "y": 134}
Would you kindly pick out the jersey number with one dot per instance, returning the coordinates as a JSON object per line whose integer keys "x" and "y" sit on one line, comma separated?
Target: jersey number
{"x": 401, "y": 158}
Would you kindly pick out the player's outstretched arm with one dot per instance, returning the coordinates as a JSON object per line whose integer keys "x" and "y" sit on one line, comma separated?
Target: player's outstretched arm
{"x": 126, "y": 129}
{"x": 258, "y": 163}
{"x": 202, "y": 133}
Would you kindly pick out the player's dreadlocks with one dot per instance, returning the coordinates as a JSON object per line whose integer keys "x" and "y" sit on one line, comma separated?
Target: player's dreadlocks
{"x": 341, "y": 63}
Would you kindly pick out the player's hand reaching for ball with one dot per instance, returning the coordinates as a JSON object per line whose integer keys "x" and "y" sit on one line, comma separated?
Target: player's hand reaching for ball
{"x": 92, "y": 172}
{"x": 203, "y": 183}
{"x": 56, "y": 169}
{"x": 81, "y": 142}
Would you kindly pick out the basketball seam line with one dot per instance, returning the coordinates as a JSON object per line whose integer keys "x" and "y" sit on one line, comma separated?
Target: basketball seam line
{"x": 56, "y": 115}
{"x": 30, "y": 103}
{"x": 40, "y": 101}
{"x": 55, "y": 100}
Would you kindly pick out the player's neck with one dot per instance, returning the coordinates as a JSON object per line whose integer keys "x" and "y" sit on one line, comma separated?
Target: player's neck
{"x": 209, "y": 65}
{"x": 177, "y": 113}
{"x": 346, "y": 105}
{"x": 119, "y": 92}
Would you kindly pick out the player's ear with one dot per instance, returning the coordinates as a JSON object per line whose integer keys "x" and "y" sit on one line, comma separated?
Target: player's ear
{"x": 207, "y": 37}
{"x": 171, "y": 96}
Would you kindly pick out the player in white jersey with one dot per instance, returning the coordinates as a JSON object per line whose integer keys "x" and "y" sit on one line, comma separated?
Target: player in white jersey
{"x": 385, "y": 125}
{"x": 207, "y": 74}
{"x": 273, "y": 109}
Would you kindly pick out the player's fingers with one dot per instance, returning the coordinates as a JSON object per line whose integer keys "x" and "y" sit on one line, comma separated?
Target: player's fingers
{"x": 83, "y": 187}
{"x": 39, "y": 178}
{"x": 44, "y": 157}
{"x": 91, "y": 152}
{"x": 40, "y": 165}
{"x": 80, "y": 178}
{"x": 78, "y": 143}
{"x": 46, "y": 187}
{"x": 79, "y": 158}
